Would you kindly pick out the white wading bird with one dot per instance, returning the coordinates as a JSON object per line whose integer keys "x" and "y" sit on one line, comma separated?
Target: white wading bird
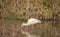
{"x": 31, "y": 21}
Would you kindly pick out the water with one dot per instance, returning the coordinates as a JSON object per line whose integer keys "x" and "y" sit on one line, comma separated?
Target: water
{"x": 12, "y": 28}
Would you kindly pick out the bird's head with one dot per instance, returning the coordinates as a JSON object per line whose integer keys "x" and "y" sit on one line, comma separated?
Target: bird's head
{"x": 24, "y": 24}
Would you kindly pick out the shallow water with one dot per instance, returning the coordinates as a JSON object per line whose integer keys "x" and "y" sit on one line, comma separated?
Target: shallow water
{"x": 12, "y": 28}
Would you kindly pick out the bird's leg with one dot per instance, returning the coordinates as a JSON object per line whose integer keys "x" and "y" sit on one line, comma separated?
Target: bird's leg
{"x": 32, "y": 27}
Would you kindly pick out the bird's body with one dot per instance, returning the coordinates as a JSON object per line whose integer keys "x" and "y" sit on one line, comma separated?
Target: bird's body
{"x": 31, "y": 21}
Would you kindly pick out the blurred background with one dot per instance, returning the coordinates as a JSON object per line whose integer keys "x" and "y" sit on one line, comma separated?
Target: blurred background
{"x": 14, "y": 12}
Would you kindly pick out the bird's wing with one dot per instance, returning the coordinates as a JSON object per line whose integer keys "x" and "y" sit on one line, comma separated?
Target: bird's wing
{"x": 33, "y": 21}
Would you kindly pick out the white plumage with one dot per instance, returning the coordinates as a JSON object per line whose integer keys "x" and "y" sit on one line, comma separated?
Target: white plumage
{"x": 31, "y": 21}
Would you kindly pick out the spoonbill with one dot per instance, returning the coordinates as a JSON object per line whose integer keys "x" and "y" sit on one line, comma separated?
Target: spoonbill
{"x": 31, "y": 21}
